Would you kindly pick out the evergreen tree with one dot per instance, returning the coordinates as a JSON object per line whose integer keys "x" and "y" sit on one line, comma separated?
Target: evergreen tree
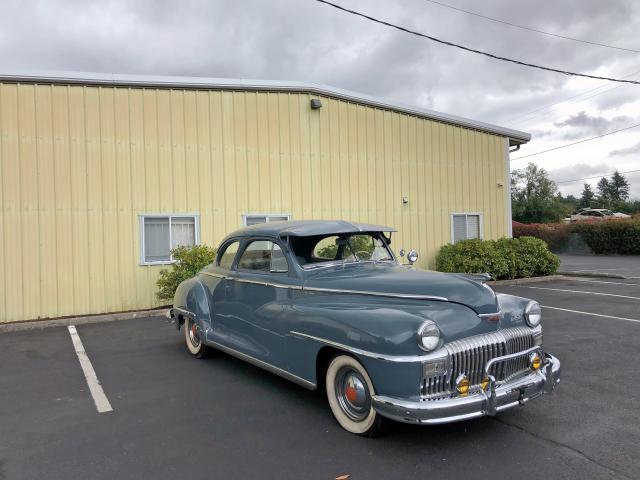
{"x": 604, "y": 192}
{"x": 618, "y": 188}
{"x": 587, "y": 197}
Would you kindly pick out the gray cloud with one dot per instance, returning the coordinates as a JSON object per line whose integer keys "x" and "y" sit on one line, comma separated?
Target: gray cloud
{"x": 583, "y": 125}
{"x": 635, "y": 149}
{"x": 579, "y": 170}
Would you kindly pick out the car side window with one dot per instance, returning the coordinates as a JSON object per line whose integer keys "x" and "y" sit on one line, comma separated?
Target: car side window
{"x": 226, "y": 259}
{"x": 263, "y": 256}
{"x": 278, "y": 260}
{"x": 327, "y": 248}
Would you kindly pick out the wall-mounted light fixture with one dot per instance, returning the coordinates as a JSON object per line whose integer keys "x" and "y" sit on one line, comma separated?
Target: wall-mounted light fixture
{"x": 316, "y": 103}
{"x": 405, "y": 200}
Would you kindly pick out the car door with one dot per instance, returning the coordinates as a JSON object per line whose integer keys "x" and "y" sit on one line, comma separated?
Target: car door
{"x": 257, "y": 292}
{"x": 215, "y": 279}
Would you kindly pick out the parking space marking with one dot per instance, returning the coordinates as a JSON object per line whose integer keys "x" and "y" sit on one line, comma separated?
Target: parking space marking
{"x": 99, "y": 397}
{"x": 580, "y": 291}
{"x": 590, "y": 313}
{"x": 602, "y": 281}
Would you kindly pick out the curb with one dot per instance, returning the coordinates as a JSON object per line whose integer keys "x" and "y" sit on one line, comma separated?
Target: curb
{"x": 81, "y": 320}
{"x": 592, "y": 274}
{"x": 521, "y": 281}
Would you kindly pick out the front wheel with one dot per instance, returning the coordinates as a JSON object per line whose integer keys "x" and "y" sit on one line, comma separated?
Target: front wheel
{"x": 349, "y": 391}
{"x": 194, "y": 344}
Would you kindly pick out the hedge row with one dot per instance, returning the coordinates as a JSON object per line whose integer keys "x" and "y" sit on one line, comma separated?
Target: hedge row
{"x": 503, "y": 259}
{"x": 620, "y": 237}
{"x": 555, "y": 234}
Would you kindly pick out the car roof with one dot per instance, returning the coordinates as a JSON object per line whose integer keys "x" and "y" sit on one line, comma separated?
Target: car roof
{"x": 307, "y": 228}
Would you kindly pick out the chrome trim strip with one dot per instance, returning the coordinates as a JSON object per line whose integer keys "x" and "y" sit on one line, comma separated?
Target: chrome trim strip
{"x": 254, "y": 282}
{"x": 365, "y": 353}
{"x": 86, "y": 78}
{"x": 485, "y": 315}
{"x": 264, "y": 365}
{"x": 217, "y": 275}
{"x": 329, "y": 290}
{"x": 265, "y": 284}
{"x": 376, "y": 294}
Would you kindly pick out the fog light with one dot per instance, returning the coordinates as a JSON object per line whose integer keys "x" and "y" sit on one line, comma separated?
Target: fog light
{"x": 535, "y": 361}
{"x": 462, "y": 384}
{"x": 485, "y": 383}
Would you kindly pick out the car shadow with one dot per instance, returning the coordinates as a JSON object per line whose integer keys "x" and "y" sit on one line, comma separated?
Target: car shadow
{"x": 313, "y": 404}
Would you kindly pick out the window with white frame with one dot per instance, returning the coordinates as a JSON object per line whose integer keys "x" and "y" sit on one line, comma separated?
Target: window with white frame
{"x": 255, "y": 218}
{"x": 162, "y": 233}
{"x": 465, "y": 226}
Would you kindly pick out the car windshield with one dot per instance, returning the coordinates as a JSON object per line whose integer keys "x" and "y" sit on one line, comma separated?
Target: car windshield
{"x": 321, "y": 250}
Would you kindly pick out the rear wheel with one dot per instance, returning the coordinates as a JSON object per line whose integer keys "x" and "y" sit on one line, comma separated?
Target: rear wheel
{"x": 193, "y": 341}
{"x": 349, "y": 391}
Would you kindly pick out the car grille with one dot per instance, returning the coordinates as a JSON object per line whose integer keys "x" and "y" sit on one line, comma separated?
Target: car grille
{"x": 470, "y": 356}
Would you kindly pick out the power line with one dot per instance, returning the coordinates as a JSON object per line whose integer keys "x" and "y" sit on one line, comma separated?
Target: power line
{"x": 531, "y": 29}
{"x": 472, "y": 50}
{"x": 525, "y": 117}
{"x": 576, "y": 143}
{"x": 595, "y": 176}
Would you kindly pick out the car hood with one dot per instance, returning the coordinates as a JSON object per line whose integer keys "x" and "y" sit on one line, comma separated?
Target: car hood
{"x": 385, "y": 279}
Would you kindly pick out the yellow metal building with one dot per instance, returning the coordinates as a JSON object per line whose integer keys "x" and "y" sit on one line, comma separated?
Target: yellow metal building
{"x": 100, "y": 174}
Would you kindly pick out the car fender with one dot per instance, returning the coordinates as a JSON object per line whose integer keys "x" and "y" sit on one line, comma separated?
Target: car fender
{"x": 191, "y": 298}
{"x": 380, "y": 333}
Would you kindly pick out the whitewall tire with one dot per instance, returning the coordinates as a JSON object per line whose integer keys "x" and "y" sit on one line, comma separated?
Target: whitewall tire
{"x": 192, "y": 339}
{"x": 349, "y": 391}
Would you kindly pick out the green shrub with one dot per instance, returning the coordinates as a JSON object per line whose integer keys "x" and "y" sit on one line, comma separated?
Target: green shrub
{"x": 502, "y": 259}
{"x": 189, "y": 261}
{"x": 620, "y": 237}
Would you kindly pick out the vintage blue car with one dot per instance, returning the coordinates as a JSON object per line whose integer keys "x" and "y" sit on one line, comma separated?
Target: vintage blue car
{"x": 328, "y": 305}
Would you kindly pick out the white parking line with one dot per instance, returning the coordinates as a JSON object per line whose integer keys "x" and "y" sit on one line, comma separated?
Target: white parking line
{"x": 580, "y": 291}
{"x": 99, "y": 398}
{"x": 602, "y": 281}
{"x": 595, "y": 270}
{"x": 593, "y": 314}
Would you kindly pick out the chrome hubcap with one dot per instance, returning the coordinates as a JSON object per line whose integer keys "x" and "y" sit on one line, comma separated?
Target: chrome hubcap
{"x": 193, "y": 334}
{"x": 352, "y": 394}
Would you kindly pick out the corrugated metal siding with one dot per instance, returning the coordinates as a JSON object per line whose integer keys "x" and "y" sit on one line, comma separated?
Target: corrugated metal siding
{"x": 79, "y": 164}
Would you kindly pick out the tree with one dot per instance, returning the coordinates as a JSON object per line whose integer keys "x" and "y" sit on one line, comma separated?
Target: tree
{"x": 534, "y": 196}
{"x": 587, "y": 197}
{"x": 604, "y": 192}
{"x": 618, "y": 188}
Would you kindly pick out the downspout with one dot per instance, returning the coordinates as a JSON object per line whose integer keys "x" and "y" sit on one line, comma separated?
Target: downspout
{"x": 507, "y": 186}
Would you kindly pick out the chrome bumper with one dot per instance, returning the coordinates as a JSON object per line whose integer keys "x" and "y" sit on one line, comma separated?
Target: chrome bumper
{"x": 495, "y": 399}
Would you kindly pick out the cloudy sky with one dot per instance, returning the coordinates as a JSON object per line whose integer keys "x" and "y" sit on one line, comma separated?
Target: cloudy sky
{"x": 307, "y": 41}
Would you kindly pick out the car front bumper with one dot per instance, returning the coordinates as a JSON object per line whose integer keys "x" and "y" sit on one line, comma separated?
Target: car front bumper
{"x": 496, "y": 399}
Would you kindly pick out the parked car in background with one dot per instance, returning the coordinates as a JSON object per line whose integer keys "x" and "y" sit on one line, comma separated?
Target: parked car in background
{"x": 596, "y": 214}
{"x": 327, "y": 305}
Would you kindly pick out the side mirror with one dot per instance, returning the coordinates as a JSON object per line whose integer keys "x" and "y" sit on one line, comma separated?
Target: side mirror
{"x": 412, "y": 257}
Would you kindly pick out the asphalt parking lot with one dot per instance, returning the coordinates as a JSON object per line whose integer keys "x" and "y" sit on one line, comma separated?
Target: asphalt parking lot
{"x": 627, "y": 266}
{"x": 177, "y": 417}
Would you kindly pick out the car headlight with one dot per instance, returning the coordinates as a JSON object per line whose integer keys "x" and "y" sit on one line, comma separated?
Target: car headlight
{"x": 428, "y": 336}
{"x": 533, "y": 314}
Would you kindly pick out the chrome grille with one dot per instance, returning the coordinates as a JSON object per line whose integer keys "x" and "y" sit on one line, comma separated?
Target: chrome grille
{"x": 470, "y": 355}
